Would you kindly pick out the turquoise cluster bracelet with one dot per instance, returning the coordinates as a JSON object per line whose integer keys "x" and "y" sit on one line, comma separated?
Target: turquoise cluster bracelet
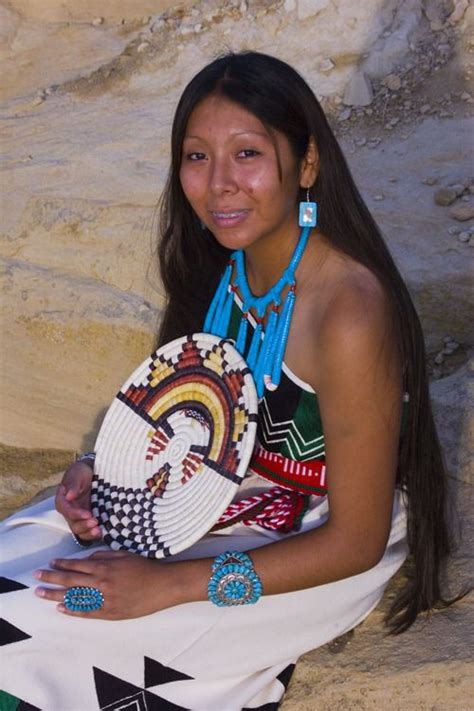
{"x": 234, "y": 581}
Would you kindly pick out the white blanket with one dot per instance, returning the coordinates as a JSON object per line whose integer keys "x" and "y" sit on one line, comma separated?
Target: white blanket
{"x": 194, "y": 656}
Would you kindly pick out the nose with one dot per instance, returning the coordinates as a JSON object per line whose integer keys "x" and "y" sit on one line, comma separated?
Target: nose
{"x": 222, "y": 179}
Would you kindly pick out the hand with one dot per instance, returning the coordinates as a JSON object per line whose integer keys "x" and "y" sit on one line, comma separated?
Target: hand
{"x": 73, "y": 501}
{"x": 132, "y": 586}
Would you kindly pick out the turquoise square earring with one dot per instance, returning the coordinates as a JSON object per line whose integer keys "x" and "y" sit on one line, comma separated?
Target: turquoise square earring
{"x": 308, "y": 216}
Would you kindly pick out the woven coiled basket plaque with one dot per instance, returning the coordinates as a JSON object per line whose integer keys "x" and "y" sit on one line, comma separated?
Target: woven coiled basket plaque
{"x": 174, "y": 446}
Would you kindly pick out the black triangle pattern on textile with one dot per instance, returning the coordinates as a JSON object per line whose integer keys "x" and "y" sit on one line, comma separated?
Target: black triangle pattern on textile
{"x": 285, "y": 675}
{"x": 115, "y": 694}
{"x": 110, "y": 688}
{"x": 7, "y": 585}
{"x": 157, "y": 673}
{"x": 284, "y": 678}
{"x": 9, "y": 633}
{"x": 24, "y": 706}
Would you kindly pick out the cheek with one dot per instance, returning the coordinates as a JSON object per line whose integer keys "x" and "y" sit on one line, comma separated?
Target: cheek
{"x": 262, "y": 183}
{"x": 265, "y": 183}
{"x": 191, "y": 185}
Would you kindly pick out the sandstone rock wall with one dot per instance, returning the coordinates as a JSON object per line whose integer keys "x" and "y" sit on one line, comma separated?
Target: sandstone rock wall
{"x": 87, "y": 97}
{"x": 87, "y": 101}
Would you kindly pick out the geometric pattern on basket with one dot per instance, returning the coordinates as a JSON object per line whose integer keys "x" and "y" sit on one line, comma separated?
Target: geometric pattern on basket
{"x": 174, "y": 446}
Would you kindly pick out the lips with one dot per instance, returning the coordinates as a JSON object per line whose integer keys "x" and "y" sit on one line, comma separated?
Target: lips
{"x": 228, "y": 218}
{"x": 226, "y": 215}
{"x": 227, "y": 211}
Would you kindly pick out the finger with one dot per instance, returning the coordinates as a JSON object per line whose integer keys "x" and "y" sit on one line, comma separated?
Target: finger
{"x": 77, "y": 488}
{"x": 81, "y": 502}
{"x": 69, "y": 511}
{"x": 53, "y": 594}
{"x": 76, "y": 565}
{"x": 57, "y": 595}
{"x": 72, "y": 486}
{"x": 95, "y": 615}
{"x": 94, "y": 536}
{"x": 66, "y": 578}
{"x": 88, "y": 530}
{"x": 108, "y": 555}
{"x": 72, "y": 493}
{"x": 80, "y": 516}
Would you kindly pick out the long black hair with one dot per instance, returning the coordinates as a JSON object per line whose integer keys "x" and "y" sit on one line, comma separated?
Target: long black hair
{"x": 191, "y": 262}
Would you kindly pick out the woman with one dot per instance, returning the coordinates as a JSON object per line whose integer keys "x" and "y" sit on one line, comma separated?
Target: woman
{"x": 250, "y": 142}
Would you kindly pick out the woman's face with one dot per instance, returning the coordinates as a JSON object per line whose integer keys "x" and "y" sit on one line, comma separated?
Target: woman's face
{"x": 230, "y": 175}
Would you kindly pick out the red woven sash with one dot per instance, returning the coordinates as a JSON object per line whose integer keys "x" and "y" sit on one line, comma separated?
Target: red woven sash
{"x": 305, "y": 477}
{"x": 282, "y": 507}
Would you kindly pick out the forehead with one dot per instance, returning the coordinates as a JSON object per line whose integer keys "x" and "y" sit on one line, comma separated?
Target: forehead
{"x": 216, "y": 115}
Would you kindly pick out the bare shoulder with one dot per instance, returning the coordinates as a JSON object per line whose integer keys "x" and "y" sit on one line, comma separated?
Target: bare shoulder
{"x": 357, "y": 307}
{"x": 356, "y": 344}
{"x": 346, "y": 321}
{"x": 342, "y": 298}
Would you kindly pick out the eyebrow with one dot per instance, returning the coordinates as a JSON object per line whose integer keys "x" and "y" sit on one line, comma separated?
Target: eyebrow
{"x": 240, "y": 133}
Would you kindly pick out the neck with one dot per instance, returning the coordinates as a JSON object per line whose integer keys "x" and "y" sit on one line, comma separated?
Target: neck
{"x": 264, "y": 266}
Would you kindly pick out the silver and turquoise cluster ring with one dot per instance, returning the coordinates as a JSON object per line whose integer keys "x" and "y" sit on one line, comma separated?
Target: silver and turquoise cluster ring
{"x": 83, "y": 599}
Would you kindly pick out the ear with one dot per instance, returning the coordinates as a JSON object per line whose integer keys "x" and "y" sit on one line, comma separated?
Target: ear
{"x": 310, "y": 165}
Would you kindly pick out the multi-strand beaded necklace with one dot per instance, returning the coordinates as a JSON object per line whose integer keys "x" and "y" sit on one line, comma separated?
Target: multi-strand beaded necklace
{"x": 266, "y": 351}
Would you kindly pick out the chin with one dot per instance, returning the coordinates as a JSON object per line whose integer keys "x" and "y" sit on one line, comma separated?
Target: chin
{"x": 233, "y": 242}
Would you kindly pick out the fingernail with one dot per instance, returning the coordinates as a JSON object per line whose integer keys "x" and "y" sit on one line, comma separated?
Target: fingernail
{"x": 37, "y": 574}
{"x": 40, "y": 592}
{"x": 61, "y": 608}
{"x": 53, "y": 563}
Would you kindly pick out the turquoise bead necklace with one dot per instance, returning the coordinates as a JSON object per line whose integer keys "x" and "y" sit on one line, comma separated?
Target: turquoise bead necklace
{"x": 267, "y": 348}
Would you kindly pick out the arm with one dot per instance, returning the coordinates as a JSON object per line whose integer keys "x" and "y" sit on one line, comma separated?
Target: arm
{"x": 359, "y": 391}
{"x": 360, "y": 395}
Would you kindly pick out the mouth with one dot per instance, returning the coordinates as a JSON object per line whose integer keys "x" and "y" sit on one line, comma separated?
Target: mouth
{"x": 228, "y": 217}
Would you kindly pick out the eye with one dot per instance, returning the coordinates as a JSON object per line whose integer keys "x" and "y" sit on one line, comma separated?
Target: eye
{"x": 248, "y": 153}
{"x": 195, "y": 156}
